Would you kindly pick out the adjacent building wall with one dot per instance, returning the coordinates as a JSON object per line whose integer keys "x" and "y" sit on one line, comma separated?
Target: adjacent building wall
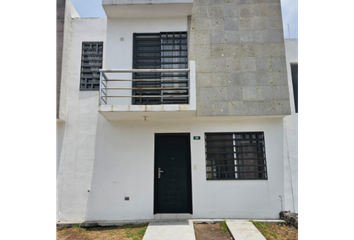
{"x": 77, "y": 155}
{"x": 60, "y": 37}
{"x": 291, "y": 136}
{"x": 64, "y": 29}
{"x": 238, "y": 48}
{"x": 65, "y": 13}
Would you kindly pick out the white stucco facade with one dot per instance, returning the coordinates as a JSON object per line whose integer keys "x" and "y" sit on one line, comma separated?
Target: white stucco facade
{"x": 118, "y": 49}
{"x": 100, "y": 162}
{"x": 124, "y": 167}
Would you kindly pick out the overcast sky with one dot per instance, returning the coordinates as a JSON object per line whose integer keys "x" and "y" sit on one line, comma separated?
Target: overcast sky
{"x": 93, "y": 8}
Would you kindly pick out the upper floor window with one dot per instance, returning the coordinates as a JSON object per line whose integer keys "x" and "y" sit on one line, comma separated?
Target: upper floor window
{"x": 164, "y": 50}
{"x": 91, "y": 63}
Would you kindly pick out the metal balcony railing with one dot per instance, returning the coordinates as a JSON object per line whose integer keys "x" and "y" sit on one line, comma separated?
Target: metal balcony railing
{"x": 151, "y": 86}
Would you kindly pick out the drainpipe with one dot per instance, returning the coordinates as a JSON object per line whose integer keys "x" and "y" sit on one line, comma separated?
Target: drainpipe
{"x": 281, "y": 203}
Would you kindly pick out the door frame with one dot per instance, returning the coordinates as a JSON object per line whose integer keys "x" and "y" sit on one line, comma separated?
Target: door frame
{"x": 189, "y": 169}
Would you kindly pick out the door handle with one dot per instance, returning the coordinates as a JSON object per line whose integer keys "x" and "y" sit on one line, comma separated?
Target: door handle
{"x": 159, "y": 173}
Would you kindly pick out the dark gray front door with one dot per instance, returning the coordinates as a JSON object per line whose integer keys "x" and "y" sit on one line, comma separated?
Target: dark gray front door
{"x": 172, "y": 173}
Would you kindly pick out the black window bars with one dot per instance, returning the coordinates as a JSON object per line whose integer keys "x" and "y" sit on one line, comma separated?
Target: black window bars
{"x": 164, "y": 50}
{"x": 235, "y": 156}
{"x": 91, "y": 63}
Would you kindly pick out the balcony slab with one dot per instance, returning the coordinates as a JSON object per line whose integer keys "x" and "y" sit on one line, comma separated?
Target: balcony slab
{"x": 151, "y": 112}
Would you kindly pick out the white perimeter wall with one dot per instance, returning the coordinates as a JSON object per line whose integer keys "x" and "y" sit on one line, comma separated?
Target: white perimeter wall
{"x": 124, "y": 167}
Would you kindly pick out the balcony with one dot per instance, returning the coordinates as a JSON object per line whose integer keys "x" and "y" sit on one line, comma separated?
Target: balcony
{"x": 147, "y": 94}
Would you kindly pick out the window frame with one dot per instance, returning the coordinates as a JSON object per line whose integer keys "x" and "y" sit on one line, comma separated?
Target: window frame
{"x": 95, "y": 74}
{"x": 260, "y": 144}
{"x": 159, "y": 60}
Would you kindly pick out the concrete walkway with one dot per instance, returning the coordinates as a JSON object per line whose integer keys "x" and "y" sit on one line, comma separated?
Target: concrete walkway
{"x": 244, "y": 230}
{"x": 184, "y": 230}
{"x": 170, "y": 230}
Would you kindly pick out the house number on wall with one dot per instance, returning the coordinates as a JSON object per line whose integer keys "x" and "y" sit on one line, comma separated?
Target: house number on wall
{"x": 196, "y": 137}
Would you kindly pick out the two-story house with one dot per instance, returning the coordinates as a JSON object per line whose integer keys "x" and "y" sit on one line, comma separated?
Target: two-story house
{"x": 172, "y": 109}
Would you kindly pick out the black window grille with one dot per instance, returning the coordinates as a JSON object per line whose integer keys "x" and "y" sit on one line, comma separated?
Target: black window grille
{"x": 164, "y": 50}
{"x": 234, "y": 156}
{"x": 91, "y": 62}
{"x": 294, "y": 69}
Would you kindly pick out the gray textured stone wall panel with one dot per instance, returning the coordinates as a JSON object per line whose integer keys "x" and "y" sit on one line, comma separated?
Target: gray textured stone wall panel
{"x": 238, "y": 46}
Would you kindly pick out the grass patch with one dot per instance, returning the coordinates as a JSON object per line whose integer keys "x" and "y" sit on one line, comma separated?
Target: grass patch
{"x": 126, "y": 232}
{"x": 136, "y": 232}
{"x": 276, "y": 231}
{"x": 103, "y": 228}
{"x": 263, "y": 227}
{"x": 223, "y": 226}
{"x": 258, "y": 224}
{"x": 77, "y": 226}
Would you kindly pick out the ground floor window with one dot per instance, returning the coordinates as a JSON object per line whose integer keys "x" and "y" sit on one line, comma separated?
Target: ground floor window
{"x": 235, "y": 155}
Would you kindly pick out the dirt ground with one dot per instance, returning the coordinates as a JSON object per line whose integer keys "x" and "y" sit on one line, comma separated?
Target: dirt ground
{"x": 127, "y": 232}
{"x": 276, "y": 231}
{"x": 210, "y": 232}
{"x": 80, "y": 234}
